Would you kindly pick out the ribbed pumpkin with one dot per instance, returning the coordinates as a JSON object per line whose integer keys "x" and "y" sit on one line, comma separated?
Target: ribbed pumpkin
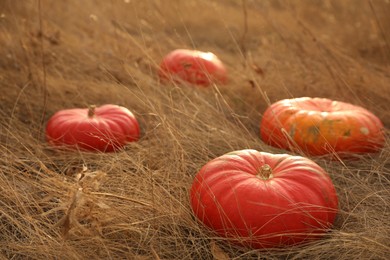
{"x": 192, "y": 66}
{"x": 319, "y": 126}
{"x": 264, "y": 200}
{"x": 106, "y": 128}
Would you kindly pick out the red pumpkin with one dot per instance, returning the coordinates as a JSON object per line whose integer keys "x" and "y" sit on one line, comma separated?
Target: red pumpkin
{"x": 320, "y": 126}
{"x": 106, "y": 128}
{"x": 264, "y": 200}
{"x": 192, "y": 66}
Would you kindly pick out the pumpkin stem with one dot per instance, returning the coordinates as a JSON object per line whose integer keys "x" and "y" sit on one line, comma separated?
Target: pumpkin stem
{"x": 91, "y": 110}
{"x": 265, "y": 172}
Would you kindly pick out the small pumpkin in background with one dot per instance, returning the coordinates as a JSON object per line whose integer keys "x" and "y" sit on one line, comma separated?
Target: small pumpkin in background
{"x": 106, "y": 128}
{"x": 192, "y": 66}
{"x": 320, "y": 126}
{"x": 263, "y": 200}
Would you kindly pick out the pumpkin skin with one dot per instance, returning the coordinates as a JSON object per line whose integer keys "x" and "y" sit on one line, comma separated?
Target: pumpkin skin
{"x": 320, "y": 126}
{"x": 192, "y": 66}
{"x": 106, "y": 128}
{"x": 233, "y": 195}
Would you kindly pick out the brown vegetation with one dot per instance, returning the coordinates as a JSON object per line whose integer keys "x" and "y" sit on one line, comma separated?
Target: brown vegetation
{"x": 134, "y": 204}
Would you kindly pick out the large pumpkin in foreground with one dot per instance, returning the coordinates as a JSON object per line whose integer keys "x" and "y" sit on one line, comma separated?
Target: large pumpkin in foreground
{"x": 319, "y": 126}
{"x": 106, "y": 128}
{"x": 264, "y": 200}
{"x": 192, "y": 66}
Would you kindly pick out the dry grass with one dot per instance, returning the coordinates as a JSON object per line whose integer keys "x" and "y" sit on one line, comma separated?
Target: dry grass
{"x": 134, "y": 204}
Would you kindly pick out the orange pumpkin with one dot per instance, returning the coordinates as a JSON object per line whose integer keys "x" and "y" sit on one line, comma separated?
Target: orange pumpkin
{"x": 320, "y": 126}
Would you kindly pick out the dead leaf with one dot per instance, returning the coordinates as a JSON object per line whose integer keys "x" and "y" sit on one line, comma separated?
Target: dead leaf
{"x": 217, "y": 252}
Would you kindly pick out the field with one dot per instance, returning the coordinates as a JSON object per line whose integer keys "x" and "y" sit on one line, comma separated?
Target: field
{"x": 134, "y": 204}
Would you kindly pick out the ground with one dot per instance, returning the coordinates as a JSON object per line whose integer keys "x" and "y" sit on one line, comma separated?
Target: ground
{"x": 134, "y": 203}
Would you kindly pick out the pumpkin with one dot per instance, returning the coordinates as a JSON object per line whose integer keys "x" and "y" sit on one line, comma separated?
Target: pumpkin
{"x": 106, "y": 128}
{"x": 192, "y": 66}
{"x": 264, "y": 200}
{"x": 319, "y": 126}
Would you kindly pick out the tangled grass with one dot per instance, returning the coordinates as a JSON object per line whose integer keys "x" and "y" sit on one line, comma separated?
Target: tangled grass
{"x": 61, "y": 204}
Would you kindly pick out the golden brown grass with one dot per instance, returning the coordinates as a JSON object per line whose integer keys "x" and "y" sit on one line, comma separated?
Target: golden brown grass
{"x": 134, "y": 204}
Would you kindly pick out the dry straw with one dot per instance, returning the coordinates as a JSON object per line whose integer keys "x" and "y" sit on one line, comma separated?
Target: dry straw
{"x": 134, "y": 204}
